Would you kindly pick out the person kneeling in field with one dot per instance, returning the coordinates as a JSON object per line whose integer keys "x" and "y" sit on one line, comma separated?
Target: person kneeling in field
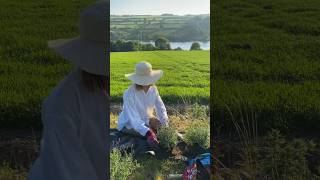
{"x": 139, "y": 102}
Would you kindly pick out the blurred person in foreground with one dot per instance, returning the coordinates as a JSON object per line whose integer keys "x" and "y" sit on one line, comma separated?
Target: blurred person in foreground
{"x": 74, "y": 116}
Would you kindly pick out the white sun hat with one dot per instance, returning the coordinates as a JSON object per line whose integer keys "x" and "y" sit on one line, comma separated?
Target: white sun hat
{"x": 88, "y": 51}
{"x": 144, "y": 75}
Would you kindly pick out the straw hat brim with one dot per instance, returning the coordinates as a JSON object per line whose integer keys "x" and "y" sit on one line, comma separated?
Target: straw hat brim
{"x": 154, "y": 76}
{"x": 87, "y": 55}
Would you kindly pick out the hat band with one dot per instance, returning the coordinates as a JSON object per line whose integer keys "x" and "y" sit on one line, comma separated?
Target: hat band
{"x": 145, "y": 73}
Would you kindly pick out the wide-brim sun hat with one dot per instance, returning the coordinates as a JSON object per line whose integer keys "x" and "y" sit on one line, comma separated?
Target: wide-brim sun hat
{"x": 144, "y": 75}
{"x": 88, "y": 51}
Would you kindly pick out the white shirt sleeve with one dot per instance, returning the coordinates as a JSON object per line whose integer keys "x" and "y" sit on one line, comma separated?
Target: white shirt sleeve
{"x": 161, "y": 110}
{"x": 133, "y": 115}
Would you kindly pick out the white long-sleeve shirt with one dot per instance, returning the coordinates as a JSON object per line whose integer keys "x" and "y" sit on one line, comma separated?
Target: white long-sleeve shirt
{"x": 74, "y": 141}
{"x": 138, "y": 107}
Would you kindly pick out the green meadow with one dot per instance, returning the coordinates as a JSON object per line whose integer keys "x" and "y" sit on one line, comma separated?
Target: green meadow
{"x": 28, "y": 69}
{"x": 186, "y": 74}
{"x": 266, "y": 88}
{"x": 266, "y": 61}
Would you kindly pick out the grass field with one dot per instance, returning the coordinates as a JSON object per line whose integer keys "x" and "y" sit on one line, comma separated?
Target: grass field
{"x": 186, "y": 74}
{"x": 265, "y": 75}
{"x": 266, "y": 59}
{"x": 28, "y": 69}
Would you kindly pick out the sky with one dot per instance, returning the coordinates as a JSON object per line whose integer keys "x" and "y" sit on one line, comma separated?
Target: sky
{"x": 157, "y": 7}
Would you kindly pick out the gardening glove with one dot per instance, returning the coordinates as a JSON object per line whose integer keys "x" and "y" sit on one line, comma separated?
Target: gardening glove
{"x": 152, "y": 138}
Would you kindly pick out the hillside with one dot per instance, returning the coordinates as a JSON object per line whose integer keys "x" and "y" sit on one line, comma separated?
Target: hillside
{"x": 149, "y": 27}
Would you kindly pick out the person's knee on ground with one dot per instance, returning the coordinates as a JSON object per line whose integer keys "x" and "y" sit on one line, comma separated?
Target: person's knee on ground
{"x": 131, "y": 132}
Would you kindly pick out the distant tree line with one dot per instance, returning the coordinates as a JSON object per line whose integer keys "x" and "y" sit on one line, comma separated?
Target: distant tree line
{"x": 160, "y": 44}
{"x": 124, "y": 46}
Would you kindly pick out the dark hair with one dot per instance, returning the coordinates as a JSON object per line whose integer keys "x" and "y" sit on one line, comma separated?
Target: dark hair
{"x": 140, "y": 87}
{"x": 95, "y": 82}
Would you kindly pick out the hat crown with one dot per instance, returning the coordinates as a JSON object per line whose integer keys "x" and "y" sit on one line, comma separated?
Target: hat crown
{"x": 143, "y": 69}
{"x": 93, "y": 25}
